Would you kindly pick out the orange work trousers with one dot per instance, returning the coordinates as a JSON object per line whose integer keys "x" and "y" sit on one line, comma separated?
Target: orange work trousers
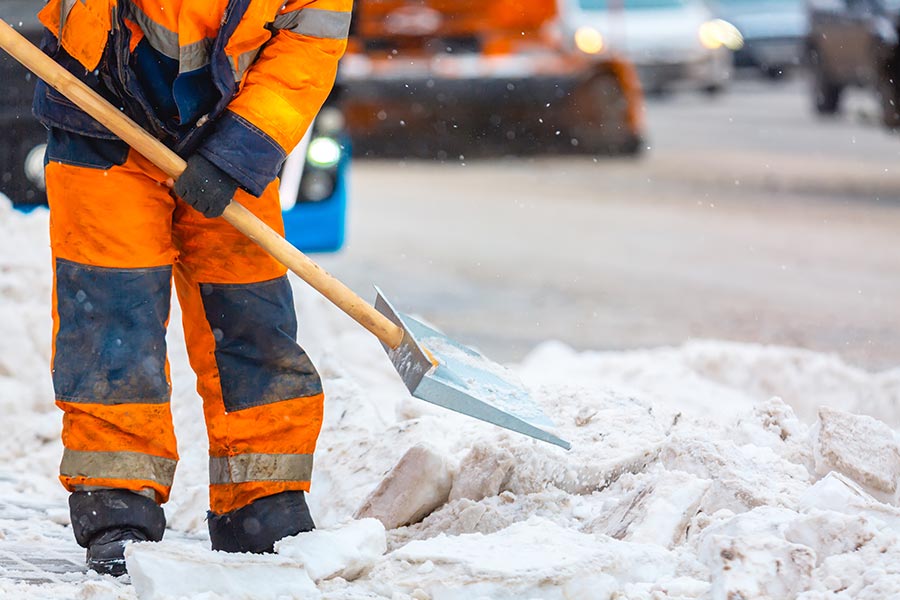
{"x": 119, "y": 239}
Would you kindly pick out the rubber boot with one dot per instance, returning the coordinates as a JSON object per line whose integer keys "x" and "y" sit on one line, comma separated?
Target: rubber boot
{"x": 256, "y": 527}
{"x": 106, "y": 552}
{"x": 105, "y": 521}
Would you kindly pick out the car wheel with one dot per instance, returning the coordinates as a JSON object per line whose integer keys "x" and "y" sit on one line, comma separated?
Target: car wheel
{"x": 889, "y": 98}
{"x": 602, "y": 125}
{"x": 826, "y": 94}
{"x": 775, "y": 72}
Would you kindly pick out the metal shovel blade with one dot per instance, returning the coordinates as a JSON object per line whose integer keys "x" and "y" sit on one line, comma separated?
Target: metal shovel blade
{"x": 438, "y": 370}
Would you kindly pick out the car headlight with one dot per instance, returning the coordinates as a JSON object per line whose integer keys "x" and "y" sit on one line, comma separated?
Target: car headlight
{"x": 34, "y": 165}
{"x": 330, "y": 121}
{"x": 317, "y": 185}
{"x": 589, "y": 40}
{"x": 717, "y": 33}
{"x": 324, "y": 152}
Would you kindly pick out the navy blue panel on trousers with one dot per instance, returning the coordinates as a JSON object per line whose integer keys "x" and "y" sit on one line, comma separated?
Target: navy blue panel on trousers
{"x": 255, "y": 329}
{"x": 111, "y": 344}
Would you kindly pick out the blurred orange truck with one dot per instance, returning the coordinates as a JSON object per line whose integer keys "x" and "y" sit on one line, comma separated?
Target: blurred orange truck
{"x": 444, "y": 78}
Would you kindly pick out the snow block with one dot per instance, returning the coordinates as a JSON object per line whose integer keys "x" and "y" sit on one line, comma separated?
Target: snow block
{"x": 346, "y": 551}
{"x": 166, "y": 570}
{"x": 481, "y": 473}
{"x": 419, "y": 483}
{"x": 658, "y": 509}
{"x": 531, "y": 559}
{"x": 757, "y": 567}
{"x": 743, "y": 477}
{"x": 773, "y": 424}
{"x": 838, "y": 493}
{"x": 831, "y": 534}
{"x": 860, "y": 447}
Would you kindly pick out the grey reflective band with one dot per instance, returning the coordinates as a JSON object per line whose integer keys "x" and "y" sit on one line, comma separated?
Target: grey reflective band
{"x": 244, "y": 468}
{"x": 163, "y": 40}
{"x": 191, "y": 57}
{"x": 244, "y": 61}
{"x": 316, "y": 22}
{"x": 195, "y": 56}
{"x": 118, "y": 465}
{"x": 65, "y": 7}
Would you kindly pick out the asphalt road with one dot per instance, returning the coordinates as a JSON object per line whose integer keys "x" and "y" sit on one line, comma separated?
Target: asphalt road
{"x": 746, "y": 219}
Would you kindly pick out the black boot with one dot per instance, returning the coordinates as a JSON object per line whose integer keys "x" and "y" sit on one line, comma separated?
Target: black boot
{"x": 257, "y": 526}
{"x": 106, "y": 552}
{"x": 104, "y": 521}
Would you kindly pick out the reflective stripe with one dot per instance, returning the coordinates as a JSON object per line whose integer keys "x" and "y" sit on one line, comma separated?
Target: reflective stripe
{"x": 244, "y": 468}
{"x": 65, "y": 8}
{"x": 244, "y": 61}
{"x": 195, "y": 56}
{"x": 316, "y": 22}
{"x": 118, "y": 465}
{"x": 190, "y": 58}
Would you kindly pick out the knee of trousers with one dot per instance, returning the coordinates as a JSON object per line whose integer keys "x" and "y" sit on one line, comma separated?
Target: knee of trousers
{"x": 258, "y": 360}
{"x": 109, "y": 346}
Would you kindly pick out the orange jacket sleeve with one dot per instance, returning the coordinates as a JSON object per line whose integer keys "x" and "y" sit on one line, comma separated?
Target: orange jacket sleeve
{"x": 281, "y": 92}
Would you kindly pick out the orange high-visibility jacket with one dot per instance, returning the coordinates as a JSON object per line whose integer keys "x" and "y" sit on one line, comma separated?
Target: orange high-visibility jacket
{"x": 267, "y": 66}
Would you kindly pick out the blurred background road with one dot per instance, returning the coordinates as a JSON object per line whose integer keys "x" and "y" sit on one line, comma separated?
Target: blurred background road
{"x": 749, "y": 218}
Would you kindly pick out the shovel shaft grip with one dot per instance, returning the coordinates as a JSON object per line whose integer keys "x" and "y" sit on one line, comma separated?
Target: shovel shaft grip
{"x": 173, "y": 165}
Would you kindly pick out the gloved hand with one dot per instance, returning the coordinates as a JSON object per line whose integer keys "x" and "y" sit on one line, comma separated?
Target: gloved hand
{"x": 205, "y": 186}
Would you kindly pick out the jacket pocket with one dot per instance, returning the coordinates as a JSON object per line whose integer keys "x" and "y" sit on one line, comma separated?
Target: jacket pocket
{"x": 81, "y": 26}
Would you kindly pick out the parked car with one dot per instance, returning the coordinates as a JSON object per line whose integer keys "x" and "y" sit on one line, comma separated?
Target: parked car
{"x": 774, "y": 33}
{"x": 855, "y": 43}
{"x": 314, "y": 177}
{"x": 671, "y": 42}
{"x": 23, "y": 140}
{"x": 439, "y": 79}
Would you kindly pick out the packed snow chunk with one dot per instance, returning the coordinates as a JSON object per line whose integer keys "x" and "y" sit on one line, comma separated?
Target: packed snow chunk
{"x": 168, "y": 570}
{"x": 860, "y": 447}
{"x": 757, "y": 567}
{"x": 419, "y": 483}
{"x": 611, "y": 435}
{"x": 773, "y": 424}
{"x": 830, "y": 533}
{"x": 481, "y": 473}
{"x": 743, "y": 477}
{"x": 835, "y": 492}
{"x": 749, "y": 557}
{"x": 659, "y": 509}
{"x": 532, "y": 559}
{"x": 346, "y": 551}
{"x": 872, "y": 572}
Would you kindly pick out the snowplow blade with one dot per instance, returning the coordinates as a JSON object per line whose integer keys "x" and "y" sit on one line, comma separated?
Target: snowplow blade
{"x": 441, "y": 371}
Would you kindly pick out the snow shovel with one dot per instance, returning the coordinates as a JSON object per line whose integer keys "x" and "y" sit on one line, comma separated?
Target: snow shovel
{"x": 433, "y": 367}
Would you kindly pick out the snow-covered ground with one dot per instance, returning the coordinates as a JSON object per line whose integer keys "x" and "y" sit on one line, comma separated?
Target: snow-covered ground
{"x": 711, "y": 470}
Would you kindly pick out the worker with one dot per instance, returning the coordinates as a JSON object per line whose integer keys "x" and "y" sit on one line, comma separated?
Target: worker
{"x": 231, "y": 86}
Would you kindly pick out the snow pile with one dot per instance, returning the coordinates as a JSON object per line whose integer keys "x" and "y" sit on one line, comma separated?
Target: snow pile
{"x": 712, "y": 470}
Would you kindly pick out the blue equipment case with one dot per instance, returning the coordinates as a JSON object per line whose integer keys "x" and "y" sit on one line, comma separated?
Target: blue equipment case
{"x": 320, "y": 226}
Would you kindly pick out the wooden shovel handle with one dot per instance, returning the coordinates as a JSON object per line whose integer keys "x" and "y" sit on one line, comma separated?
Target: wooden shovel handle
{"x": 164, "y": 158}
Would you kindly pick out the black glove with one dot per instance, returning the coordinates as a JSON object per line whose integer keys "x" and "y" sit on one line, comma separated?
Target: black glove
{"x": 205, "y": 186}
